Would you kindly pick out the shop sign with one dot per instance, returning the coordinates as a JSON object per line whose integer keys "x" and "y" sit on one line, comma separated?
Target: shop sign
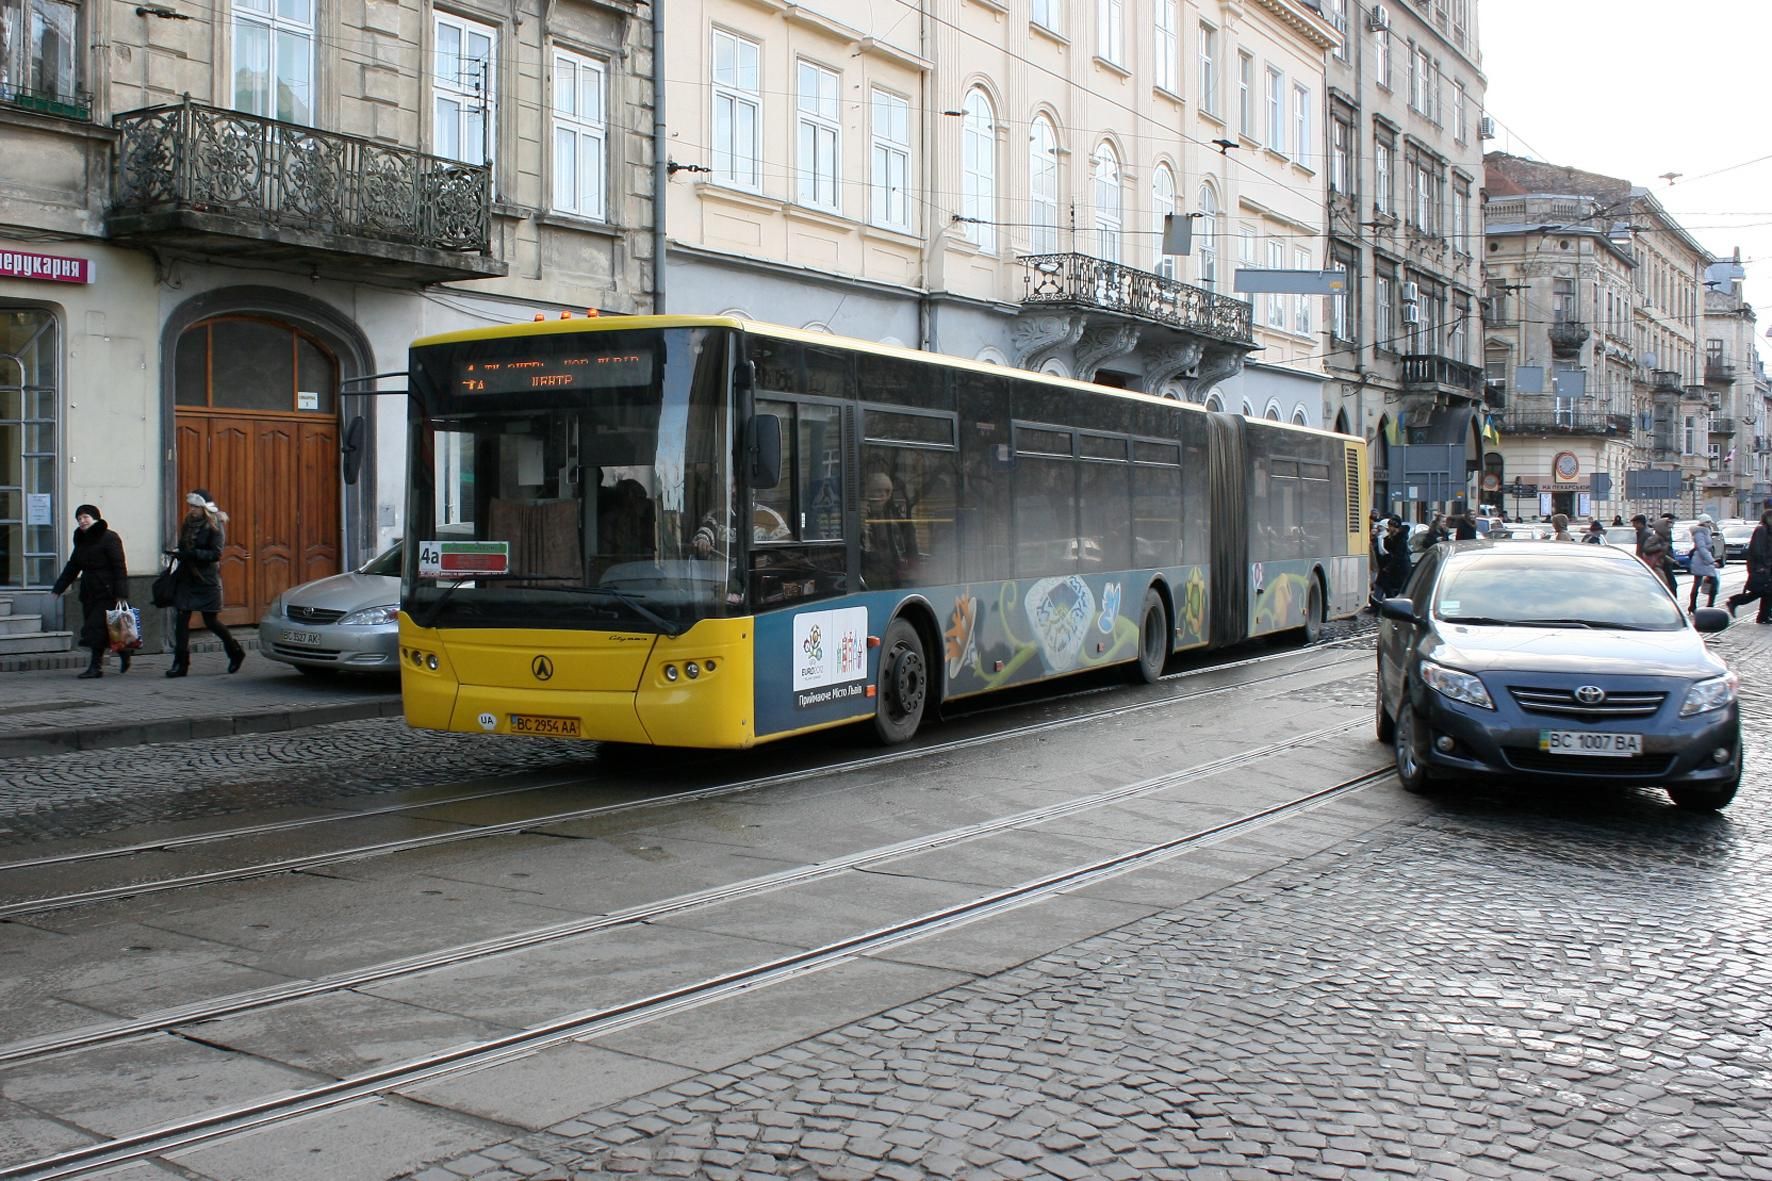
{"x": 22, "y": 264}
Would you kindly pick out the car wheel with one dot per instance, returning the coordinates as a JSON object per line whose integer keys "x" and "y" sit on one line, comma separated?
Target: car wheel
{"x": 1387, "y": 729}
{"x": 1313, "y": 614}
{"x": 1407, "y": 737}
{"x": 1704, "y": 799}
{"x": 1153, "y": 640}
{"x": 903, "y": 687}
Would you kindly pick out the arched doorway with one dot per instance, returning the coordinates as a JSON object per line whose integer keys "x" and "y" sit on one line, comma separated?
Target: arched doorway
{"x": 256, "y": 423}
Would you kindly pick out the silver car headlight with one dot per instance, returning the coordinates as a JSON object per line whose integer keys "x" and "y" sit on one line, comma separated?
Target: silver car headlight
{"x": 1454, "y": 685}
{"x": 1715, "y": 693}
{"x": 371, "y": 616}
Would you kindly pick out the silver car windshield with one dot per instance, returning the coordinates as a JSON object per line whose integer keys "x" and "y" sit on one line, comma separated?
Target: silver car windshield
{"x": 1541, "y": 590}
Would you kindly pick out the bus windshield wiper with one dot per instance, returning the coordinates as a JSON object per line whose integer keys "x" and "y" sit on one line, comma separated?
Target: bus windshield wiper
{"x": 625, "y": 598}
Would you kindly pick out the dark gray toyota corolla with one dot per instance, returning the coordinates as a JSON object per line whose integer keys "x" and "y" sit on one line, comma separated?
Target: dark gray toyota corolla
{"x": 1553, "y": 661}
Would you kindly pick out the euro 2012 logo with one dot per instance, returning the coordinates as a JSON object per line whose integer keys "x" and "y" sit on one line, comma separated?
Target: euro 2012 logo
{"x": 814, "y": 645}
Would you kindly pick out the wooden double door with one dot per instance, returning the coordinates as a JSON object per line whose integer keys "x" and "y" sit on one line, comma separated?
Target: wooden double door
{"x": 277, "y": 478}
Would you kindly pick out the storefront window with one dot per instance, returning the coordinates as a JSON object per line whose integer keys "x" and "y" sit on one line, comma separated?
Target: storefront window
{"x": 30, "y": 377}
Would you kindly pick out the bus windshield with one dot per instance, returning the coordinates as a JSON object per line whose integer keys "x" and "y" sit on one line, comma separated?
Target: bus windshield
{"x": 571, "y": 479}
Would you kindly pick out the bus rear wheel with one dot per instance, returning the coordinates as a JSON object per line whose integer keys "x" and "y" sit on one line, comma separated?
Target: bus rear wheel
{"x": 1313, "y": 614}
{"x": 1153, "y": 640}
{"x": 902, "y": 691}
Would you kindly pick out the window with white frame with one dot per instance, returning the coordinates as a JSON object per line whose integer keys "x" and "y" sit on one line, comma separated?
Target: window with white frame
{"x": 1206, "y": 239}
{"x": 1246, "y": 238}
{"x": 978, "y": 170}
{"x": 1162, "y": 208}
{"x": 273, "y": 53}
{"x": 1344, "y": 304}
{"x": 465, "y": 88}
{"x": 1276, "y": 110}
{"x": 1458, "y": 331}
{"x": 1168, "y": 45}
{"x": 890, "y": 179}
{"x": 817, "y": 136}
{"x": 1110, "y": 30}
{"x": 1384, "y": 59}
{"x": 1276, "y": 302}
{"x": 1383, "y": 315}
{"x": 1415, "y": 79}
{"x": 1246, "y": 93}
{"x": 1208, "y": 69}
{"x": 1460, "y": 113}
{"x": 738, "y": 106}
{"x": 1301, "y": 304}
{"x": 1383, "y": 196}
{"x": 1042, "y": 187}
{"x": 1461, "y": 204}
{"x": 1301, "y": 127}
{"x": 41, "y": 51}
{"x": 1105, "y": 186}
{"x": 1049, "y": 14}
{"x": 1337, "y": 11}
{"x": 580, "y": 135}
{"x": 1341, "y": 153}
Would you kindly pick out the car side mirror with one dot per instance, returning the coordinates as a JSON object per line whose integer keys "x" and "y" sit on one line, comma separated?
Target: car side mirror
{"x": 1400, "y": 609}
{"x": 1710, "y": 619}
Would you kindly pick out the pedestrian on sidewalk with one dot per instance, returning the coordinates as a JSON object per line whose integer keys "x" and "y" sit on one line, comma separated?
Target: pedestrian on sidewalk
{"x": 97, "y": 562}
{"x": 197, "y": 582}
{"x": 1759, "y": 572}
{"x": 1703, "y": 563}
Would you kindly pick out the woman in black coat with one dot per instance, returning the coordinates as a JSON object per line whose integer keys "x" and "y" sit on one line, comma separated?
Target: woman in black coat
{"x": 197, "y": 581}
{"x": 98, "y": 563}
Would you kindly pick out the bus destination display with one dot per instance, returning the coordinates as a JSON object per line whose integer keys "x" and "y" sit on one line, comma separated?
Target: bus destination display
{"x": 561, "y": 371}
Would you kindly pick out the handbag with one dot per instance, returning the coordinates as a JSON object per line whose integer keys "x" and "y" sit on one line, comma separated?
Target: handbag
{"x": 123, "y": 625}
{"x": 165, "y": 586}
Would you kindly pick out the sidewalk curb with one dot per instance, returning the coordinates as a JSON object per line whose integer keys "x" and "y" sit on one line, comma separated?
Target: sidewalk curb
{"x": 64, "y": 740}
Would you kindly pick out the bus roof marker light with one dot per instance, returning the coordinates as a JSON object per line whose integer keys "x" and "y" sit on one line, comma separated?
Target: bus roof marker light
{"x": 565, "y": 314}
{"x": 593, "y": 313}
{"x": 540, "y": 316}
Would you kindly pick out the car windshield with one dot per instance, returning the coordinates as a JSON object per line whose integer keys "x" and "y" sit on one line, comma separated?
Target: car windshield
{"x": 1741, "y": 534}
{"x": 1539, "y": 589}
{"x": 385, "y": 564}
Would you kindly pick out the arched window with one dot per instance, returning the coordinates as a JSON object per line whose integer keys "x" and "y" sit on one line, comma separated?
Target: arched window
{"x": 978, "y": 171}
{"x": 1206, "y": 238}
{"x": 1215, "y": 403}
{"x": 1248, "y": 411}
{"x": 1105, "y": 174}
{"x": 1272, "y": 413}
{"x": 1042, "y": 187}
{"x": 1300, "y": 418}
{"x": 1055, "y": 367}
{"x": 1162, "y": 205}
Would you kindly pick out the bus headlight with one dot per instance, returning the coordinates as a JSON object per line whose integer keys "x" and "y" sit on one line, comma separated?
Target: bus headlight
{"x": 670, "y": 672}
{"x": 691, "y": 670}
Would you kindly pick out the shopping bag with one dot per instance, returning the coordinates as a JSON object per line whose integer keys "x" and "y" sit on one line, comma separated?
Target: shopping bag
{"x": 124, "y": 626}
{"x": 165, "y": 586}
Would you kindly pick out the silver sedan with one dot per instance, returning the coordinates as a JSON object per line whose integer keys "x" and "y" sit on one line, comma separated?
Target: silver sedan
{"x": 345, "y": 623}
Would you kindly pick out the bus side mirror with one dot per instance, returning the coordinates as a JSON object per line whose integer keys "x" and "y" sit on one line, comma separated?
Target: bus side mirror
{"x": 352, "y": 450}
{"x": 765, "y": 450}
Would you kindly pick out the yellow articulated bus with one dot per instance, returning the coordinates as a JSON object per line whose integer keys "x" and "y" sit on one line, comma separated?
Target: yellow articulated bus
{"x": 708, "y": 532}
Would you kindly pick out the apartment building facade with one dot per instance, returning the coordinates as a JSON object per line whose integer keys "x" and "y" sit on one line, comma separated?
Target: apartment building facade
{"x": 1608, "y": 355}
{"x": 990, "y": 179}
{"x": 1738, "y": 447}
{"x": 236, "y": 214}
{"x": 1404, "y": 168}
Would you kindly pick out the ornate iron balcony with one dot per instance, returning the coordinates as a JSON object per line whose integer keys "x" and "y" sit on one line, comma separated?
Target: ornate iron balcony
{"x": 1432, "y": 371}
{"x": 198, "y": 172}
{"x": 1567, "y": 336}
{"x": 1548, "y": 421}
{"x": 1085, "y": 281}
{"x": 1666, "y": 381}
{"x": 1718, "y": 371}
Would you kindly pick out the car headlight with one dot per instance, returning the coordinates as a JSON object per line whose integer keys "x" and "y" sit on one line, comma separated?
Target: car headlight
{"x": 1457, "y": 686}
{"x": 1714, "y": 693}
{"x": 370, "y": 616}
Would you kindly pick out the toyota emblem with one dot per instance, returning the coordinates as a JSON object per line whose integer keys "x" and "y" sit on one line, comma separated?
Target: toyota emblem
{"x": 1590, "y": 695}
{"x": 542, "y": 667}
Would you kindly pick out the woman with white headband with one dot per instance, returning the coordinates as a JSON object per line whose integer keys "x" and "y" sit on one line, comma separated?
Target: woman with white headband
{"x": 198, "y": 581}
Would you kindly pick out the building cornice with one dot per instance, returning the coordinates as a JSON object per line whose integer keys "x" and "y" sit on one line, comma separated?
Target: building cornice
{"x": 1316, "y": 32}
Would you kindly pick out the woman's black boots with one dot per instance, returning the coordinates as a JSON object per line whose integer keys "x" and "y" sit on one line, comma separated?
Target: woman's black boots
{"x": 177, "y": 669}
{"x": 236, "y": 655}
{"x": 96, "y": 668}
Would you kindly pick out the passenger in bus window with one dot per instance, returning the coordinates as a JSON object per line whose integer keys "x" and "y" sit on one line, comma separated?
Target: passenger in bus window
{"x": 888, "y": 541}
{"x": 625, "y": 524}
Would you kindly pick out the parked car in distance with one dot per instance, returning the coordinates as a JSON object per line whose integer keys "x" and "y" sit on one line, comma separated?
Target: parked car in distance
{"x": 344, "y": 623}
{"x": 1550, "y": 662}
{"x": 1736, "y": 535}
{"x": 1520, "y": 531}
{"x": 1622, "y": 535}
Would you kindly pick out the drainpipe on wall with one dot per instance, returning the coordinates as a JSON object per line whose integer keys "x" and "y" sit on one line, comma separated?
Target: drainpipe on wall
{"x": 925, "y": 305}
{"x": 660, "y": 173}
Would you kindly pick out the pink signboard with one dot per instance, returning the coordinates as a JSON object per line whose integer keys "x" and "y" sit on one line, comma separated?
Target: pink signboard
{"x": 21, "y": 264}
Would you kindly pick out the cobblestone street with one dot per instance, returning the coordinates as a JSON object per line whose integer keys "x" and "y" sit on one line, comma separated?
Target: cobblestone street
{"x": 1517, "y": 984}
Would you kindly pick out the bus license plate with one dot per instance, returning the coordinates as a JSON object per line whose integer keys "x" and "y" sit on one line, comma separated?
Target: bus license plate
{"x": 547, "y": 727}
{"x": 1580, "y": 742}
{"x": 293, "y": 637}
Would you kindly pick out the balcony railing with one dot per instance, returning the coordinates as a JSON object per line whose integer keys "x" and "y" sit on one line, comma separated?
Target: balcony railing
{"x": 1567, "y": 336}
{"x": 1666, "y": 381}
{"x": 1565, "y": 422}
{"x": 1434, "y": 371}
{"x": 193, "y": 159}
{"x": 1086, "y": 281}
{"x": 73, "y": 104}
{"x": 1719, "y": 371}
{"x": 1722, "y": 426}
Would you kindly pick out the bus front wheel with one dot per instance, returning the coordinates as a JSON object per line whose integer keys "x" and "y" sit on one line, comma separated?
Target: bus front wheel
{"x": 1153, "y": 640}
{"x": 903, "y": 687}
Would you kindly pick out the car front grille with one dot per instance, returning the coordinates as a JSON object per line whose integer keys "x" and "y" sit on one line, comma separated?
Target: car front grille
{"x": 312, "y": 614}
{"x": 1561, "y": 703}
{"x": 1647, "y": 766}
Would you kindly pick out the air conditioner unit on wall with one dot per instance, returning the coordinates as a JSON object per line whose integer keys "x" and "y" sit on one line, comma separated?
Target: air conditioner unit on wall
{"x": 1411, "y": 313}
{"x": 1380, "y": 19}
{"x": 1486, "y": 127}
{"x": 1411, "y": 293}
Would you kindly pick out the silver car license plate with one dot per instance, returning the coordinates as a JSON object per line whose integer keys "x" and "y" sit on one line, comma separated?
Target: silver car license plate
{"x": 295, "y": 637}
{"x": 1582, "y": 742}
